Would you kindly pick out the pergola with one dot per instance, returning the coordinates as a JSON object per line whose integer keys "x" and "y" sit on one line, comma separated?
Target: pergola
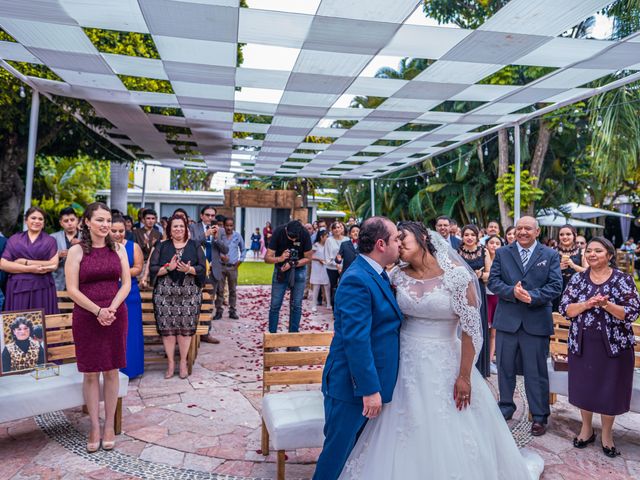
{"x": 319, "y": 54}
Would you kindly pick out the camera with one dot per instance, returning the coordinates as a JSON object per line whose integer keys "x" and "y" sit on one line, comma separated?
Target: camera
{"x": 294, "y": 256}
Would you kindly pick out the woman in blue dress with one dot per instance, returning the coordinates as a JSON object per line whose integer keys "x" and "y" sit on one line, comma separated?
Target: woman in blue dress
{"x": 255, "y": 244}
{"x": 135, "y": 340}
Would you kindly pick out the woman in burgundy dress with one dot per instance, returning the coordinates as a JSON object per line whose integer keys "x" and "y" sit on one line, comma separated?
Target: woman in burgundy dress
{"x": 93, "y": 270}
{"x": 602, "y": 303}
{"x": 29, "y": 258}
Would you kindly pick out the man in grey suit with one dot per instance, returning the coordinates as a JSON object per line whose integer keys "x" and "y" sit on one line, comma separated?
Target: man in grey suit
{"x": 526, "y": 277}
{"x": 205, "y": 234}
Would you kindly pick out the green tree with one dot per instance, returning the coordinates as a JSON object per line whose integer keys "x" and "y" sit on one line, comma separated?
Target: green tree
{"x": 67, "y": 181}
{"x": 505, "y": 186}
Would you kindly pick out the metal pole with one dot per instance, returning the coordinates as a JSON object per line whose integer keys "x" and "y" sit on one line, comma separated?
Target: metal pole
{"x": 144, "y": 186}
{"x": 516, "y": 194}
{"x": 31, "y": 149}
{"x": 373, "y": 197}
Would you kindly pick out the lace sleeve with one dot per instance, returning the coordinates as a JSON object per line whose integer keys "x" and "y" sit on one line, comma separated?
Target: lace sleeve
{"x": 394, "y": 276}
{"x": 466, "y": 304}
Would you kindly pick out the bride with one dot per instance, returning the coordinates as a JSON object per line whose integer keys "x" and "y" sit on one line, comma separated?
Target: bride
{"x": 443, "y": 421}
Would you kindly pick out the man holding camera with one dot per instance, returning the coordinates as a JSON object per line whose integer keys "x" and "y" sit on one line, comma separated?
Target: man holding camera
{"x": 205, "y": 233}
{"x": 290, "y": 251}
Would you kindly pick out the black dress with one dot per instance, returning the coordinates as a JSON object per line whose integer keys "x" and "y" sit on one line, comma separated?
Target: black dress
{"x": 475, "y": 260}
{"x": 177, "y": 297}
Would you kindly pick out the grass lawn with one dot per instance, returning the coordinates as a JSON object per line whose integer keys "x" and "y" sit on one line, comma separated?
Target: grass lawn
{"x": 255, "y": 273}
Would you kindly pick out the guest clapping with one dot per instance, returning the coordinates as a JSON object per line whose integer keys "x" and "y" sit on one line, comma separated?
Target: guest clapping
{"x": 92, "y": 270}
{"x": 602, "y": 303}
{"x": 30, "y": 258}
{"x": 178, "y": 267}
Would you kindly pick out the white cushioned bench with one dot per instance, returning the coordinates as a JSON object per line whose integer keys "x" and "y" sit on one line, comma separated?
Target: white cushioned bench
{"x": 22, "y": 396}
{"x": 292, "y": 419}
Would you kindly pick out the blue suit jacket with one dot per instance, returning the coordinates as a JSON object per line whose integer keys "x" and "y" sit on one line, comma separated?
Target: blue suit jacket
{"x": 541, "y": 278}
{"x": 364, "y": 354}
{"x": 455, "y": 242}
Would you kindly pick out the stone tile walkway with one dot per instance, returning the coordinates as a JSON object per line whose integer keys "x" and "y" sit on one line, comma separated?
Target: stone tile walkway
{"x": 208, "y": 426}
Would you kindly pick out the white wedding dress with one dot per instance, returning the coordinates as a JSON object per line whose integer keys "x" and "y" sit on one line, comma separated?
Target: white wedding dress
{"x": 421, "y": 434}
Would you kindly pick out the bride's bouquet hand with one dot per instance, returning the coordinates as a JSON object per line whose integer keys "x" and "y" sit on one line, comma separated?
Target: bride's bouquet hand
{"x": 462, "y": 393}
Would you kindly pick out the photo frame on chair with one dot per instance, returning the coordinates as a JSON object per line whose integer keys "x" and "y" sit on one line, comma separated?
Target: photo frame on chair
{"x": 22, "y": 341}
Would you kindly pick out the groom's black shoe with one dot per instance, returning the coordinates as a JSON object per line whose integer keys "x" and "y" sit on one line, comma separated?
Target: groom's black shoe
{"x": 538, "y": 429}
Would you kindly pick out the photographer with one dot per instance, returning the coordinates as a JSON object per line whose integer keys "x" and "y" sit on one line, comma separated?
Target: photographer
{"x": 290, "y": 251}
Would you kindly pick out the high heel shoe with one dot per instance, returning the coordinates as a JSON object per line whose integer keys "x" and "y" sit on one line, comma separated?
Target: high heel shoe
{"x": 108, "y": 445}
{"x": 611, "y": 452}
{"x": 583, "y": 443}
{"x": 93, "y": 447}
{"x": 169, "y": 373}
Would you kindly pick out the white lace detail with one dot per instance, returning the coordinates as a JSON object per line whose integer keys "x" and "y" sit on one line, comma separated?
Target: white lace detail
{"x": 457, "y": 280}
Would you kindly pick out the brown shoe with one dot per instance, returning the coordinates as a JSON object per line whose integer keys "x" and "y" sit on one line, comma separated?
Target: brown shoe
{"x": 209, "y": 339}
{"x": 538, "y": 429}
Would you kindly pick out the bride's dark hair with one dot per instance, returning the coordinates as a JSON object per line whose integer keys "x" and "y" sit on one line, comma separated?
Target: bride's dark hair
{"x": 421, "y": 233}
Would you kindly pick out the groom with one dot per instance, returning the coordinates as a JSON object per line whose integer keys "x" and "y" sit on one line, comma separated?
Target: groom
{"x": 526, "y": 277}
{"x": 362, "y": 366}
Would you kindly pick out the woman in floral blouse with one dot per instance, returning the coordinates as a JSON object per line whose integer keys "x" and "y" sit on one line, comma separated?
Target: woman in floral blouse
{"x": 602, "y": 303}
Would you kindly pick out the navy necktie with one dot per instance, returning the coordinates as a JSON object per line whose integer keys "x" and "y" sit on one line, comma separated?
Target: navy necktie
{"x": 385, "y": 277}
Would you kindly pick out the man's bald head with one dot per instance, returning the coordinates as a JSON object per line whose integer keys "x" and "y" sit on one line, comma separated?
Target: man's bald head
{"x": 527, "y": 230}
{"x": 528, "y": 220}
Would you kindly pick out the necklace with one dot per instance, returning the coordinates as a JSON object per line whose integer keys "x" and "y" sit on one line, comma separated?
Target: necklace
{"x": 599, "y": 278}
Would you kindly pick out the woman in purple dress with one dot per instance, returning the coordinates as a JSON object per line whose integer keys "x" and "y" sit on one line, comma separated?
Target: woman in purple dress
{"x": 29, "y": 258}
{"x": 94, "y": 270}
{"x": 602, "y": 303}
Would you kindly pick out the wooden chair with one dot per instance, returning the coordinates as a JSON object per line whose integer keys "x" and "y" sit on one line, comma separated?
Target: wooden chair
{"x": 292, "y": 419}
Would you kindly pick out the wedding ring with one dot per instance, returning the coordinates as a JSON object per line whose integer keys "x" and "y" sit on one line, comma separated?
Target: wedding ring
{"x": 466, "y": 396}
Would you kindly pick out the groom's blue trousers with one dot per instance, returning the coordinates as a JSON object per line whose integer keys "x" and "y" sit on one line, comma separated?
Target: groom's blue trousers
{"x": 343, "y": 422}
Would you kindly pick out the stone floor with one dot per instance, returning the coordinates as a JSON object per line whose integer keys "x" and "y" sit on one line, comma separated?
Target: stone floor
{"x": 208, "y": 427}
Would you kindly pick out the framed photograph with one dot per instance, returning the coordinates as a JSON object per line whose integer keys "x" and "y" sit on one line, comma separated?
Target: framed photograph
{"x": 22, "y": 341}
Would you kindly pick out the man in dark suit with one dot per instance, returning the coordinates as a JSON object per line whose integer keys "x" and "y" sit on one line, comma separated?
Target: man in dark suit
{"x": 205, "y": 234}
{"x": 348, "y": 250}
{"x": 526, "y": 277}
{"x": 443, "y": 225}
{"x": 361, "y": 369}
